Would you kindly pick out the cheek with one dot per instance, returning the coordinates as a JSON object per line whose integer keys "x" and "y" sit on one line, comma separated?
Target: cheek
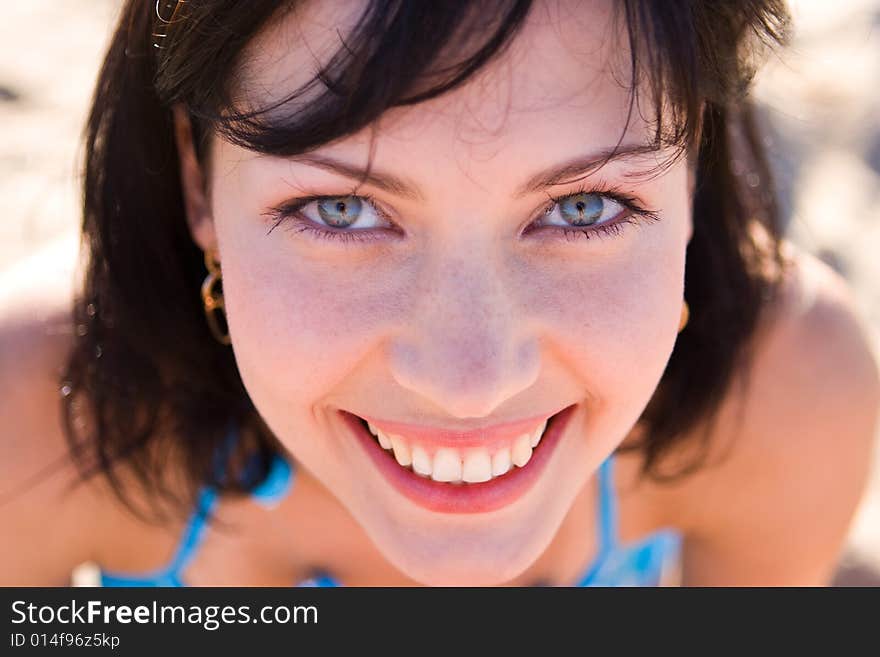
{"x": 612, "y": 319}
{"x": 284, "y": 328}
{"x": 297, "y": 328}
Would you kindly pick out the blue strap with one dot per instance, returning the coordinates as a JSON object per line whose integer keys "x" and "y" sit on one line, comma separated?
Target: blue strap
{"x": 195, "y": 528}
{"x": 607, "y": 505}
{"x": 160, "y": 578}
{"x": 276, "y": 485}
{"x": 606, "y": 522}
{"x": 268, "y": 492}
{"x": 170, "y": 575}
{"x": 319, "y": 581}
{"x": 642, "y": 563}
{"x": 195, "y": 531}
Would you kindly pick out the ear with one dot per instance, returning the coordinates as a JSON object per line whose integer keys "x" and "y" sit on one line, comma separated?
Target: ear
{"x": 192, "y": 180}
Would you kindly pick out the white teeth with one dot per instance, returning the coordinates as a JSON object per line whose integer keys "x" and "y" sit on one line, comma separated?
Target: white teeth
{"x": 401, "y": 451}
{"x": 421, "y": 462}
{"x": 384, "y": 440}
{"x": 477, "y": 466}
{"x": 522, "y": 450}
{"x": 447, "y": 465}
{"x": 539, "y": 432}
{"x": 501, "y": 462}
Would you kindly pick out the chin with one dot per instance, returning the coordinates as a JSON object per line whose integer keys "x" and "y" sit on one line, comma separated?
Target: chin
{"x": 466, "y": 571}
{"x": 473, "y": 550}
{"x": 477, "y": 552}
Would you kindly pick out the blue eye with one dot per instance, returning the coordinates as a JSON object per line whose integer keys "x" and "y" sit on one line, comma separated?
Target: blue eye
{"x": 357, "y": 213}
{"x": 346, "y": 218}
{"x": 584, "y": 209}
{"x": 340, "y": 211}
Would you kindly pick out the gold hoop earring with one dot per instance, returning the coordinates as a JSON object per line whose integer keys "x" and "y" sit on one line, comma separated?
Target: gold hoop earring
{"x": 685, "y": 316}
{"x": 212, "y": 298}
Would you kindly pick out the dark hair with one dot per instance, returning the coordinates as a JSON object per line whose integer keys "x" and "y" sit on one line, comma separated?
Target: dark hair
{"x": 153, "y": 384}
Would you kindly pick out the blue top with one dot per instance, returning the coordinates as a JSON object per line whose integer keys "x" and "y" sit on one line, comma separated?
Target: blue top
{"x": 651, "y": 561}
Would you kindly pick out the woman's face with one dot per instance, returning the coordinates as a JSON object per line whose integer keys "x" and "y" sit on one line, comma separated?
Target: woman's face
{"x": 453, "y": 302}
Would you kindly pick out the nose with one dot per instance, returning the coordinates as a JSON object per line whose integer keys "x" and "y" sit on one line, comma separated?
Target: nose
{"x": 466, "y": 346}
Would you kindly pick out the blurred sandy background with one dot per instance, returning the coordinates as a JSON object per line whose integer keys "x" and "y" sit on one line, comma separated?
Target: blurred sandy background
{"x": 821, "y": 103}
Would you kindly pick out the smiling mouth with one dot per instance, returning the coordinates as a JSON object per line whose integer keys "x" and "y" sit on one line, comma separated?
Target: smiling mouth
{"x": 461, "y": 466}
{"x": 457, "y": 482}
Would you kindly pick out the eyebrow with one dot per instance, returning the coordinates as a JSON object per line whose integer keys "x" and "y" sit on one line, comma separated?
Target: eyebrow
{"x": 582, "y": 166}
{"x": 556, "y": 175}
{"x": 385, "y": 181}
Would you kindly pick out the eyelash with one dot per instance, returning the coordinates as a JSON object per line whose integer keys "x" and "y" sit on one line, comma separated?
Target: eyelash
{"x": 634, "y": 213}
{"x": 290, "y": 210}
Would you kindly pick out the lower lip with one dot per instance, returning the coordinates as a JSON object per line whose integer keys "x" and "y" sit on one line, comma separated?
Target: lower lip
{"x": 463, "y": 498}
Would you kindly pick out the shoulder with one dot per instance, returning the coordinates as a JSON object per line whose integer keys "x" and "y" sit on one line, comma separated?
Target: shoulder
{"x": 35, "y": 338}
{"x": 813, "y": 361}
{"x": 791, "y": 451}
{"x": 38, "y": 504}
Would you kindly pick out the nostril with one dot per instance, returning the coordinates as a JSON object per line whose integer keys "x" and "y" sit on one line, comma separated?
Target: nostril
{"x": 462, "y": 376}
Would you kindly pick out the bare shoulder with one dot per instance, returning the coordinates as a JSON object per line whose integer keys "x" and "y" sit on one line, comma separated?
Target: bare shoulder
{"x": 814, "y": 361}
{"x": 38, "y": 505}
{"x": 792, "y": 450}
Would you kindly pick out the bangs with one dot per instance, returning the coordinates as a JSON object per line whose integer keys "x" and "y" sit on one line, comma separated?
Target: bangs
{"x": 402, "y": 53}
{"x": 389, "y": 58}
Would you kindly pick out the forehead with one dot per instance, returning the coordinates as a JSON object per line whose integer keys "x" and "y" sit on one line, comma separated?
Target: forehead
{"x": 562, "y": 84}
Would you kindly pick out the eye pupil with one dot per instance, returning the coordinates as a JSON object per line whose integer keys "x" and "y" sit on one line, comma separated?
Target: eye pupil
{"x": 582, "y": 209}
{"x": 340, "y": 212}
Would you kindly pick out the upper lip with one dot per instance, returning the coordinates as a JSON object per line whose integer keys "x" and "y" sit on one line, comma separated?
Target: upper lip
{"x": 435, "y": 436}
